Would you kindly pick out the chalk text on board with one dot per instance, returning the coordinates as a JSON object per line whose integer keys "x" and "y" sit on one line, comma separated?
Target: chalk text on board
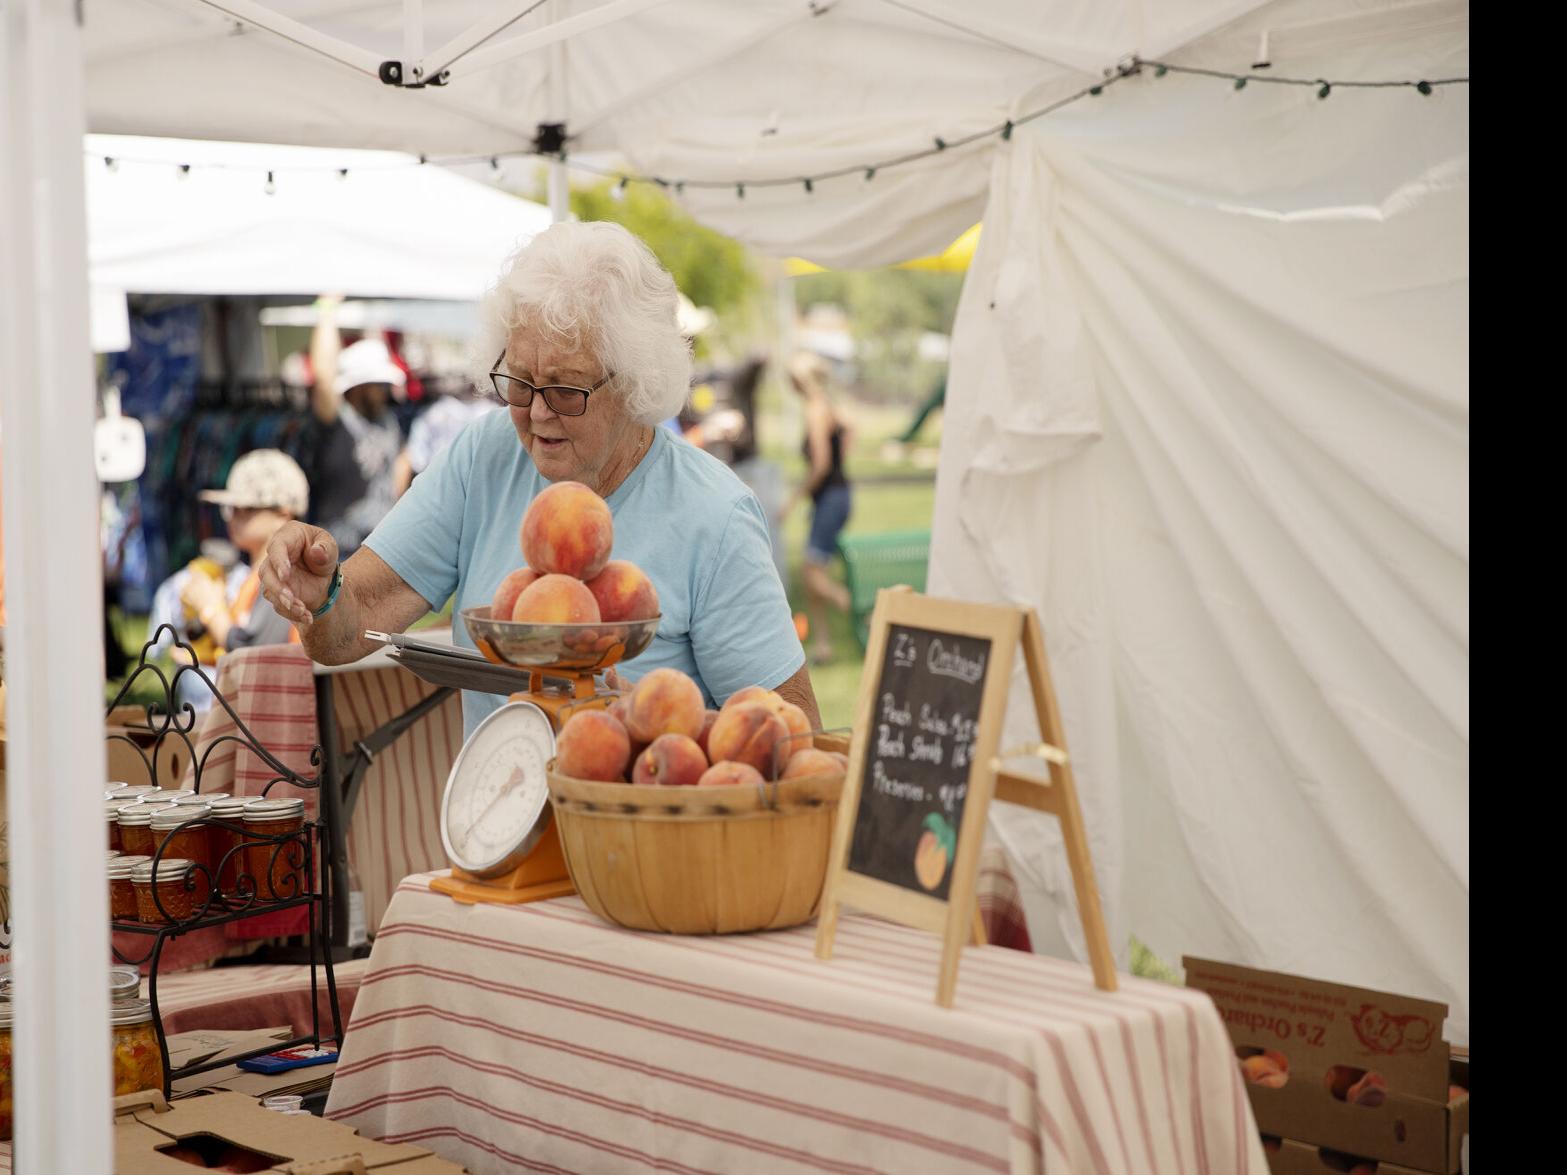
{"x": 951, "y": 663}
{"x": 901, "y": 789}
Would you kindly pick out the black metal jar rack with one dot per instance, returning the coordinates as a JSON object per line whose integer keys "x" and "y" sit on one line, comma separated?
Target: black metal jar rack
{"x": 303, "y": 855}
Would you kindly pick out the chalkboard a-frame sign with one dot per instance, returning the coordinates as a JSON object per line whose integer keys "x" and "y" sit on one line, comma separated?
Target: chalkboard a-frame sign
{"x": 923, "y": 769}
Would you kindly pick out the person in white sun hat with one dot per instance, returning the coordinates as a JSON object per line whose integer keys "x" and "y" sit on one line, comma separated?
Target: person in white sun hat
{"x": 266, "y": 488}
{"x": 360, "y": 461}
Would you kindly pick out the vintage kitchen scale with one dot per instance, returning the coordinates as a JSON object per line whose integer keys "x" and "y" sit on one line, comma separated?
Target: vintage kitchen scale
{"x": 497, "y": 825}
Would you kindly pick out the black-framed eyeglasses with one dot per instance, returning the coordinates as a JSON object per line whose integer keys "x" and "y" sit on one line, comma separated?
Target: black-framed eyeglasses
{"x": 563, "y": 400}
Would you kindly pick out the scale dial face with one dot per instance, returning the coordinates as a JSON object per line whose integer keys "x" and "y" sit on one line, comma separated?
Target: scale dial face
{"x": 497, "y": 796}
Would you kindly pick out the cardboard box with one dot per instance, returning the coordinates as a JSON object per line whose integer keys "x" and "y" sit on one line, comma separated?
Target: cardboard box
{"x": 1319, "y": 1025}
{"x": 145, "y": 1126}
{"x": 131, "y": 744}
{"x": 1297, "y": 1158}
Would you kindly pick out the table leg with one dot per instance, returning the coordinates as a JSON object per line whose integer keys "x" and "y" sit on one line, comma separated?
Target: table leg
{"x": 332, "y": 807}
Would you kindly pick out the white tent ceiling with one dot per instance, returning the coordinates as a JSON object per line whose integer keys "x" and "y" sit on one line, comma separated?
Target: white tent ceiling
{"x": 1210, "y": 371}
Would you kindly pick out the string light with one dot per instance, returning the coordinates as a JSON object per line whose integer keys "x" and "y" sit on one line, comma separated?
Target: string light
{"x": 271, "y": 188}
{"x": 550, "y": 143}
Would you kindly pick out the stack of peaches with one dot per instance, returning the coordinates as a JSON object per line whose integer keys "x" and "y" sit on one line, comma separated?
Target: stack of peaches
{"x": 567, "y": 534}
{"x": 661, "y": 733}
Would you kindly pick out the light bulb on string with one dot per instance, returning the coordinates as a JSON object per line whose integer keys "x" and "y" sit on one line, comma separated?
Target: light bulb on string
{"x": 342, "y": 173}
{"x": 271, "y": 186}
{"x": 111, "y": 163}
{"x": 184, "y": 171}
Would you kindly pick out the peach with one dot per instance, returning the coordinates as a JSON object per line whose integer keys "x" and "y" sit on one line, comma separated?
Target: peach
{"x": 799, "y": 725}
{"x": 666, "y": 701}
{"x": 593, "y": 745}
{"x": 620, "y": 708}
{"x": 843, "y": 760}
{"x": 729, "y": 774}
{"x": 708, "y": 719}
{"x": 1339, "y": 1079}
{"x": 672, "y": 760}
{"x": 1370, "y": 1090}
{"x": 556, "y": 599}
{"x": 1262, "y": 1070}
{"x": 810, "y": 761}
{"x": 750, "y": 733}
{"x": 567, "y": 530}
{"x": 1454, "y": 1092}
{"x": 506, "y": 595}
{"x": 752, "y": 693}
{"x": 623, "y": 592}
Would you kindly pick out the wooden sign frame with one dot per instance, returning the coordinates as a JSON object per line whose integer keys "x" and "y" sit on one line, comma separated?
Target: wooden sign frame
{"x": 956, "y": 918}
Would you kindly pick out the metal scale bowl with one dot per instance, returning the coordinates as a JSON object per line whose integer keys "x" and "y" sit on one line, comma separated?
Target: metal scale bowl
{"x": 497, "y": 826}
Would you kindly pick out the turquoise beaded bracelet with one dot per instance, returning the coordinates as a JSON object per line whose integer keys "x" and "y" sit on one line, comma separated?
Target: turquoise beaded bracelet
{"x": 331, "y": 594}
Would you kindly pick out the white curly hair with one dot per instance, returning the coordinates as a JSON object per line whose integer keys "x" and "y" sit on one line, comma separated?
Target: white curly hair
{"x": 593, "y": 286}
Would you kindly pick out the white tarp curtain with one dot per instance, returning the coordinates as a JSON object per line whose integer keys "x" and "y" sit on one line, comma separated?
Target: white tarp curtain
{"x": 1208, "y": 411}
{"x": 1215, "y": 426}
{"x": 390, "y": 229}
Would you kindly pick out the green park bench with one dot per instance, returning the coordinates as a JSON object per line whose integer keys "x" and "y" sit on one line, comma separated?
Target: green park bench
{"x": 875, "y": 561}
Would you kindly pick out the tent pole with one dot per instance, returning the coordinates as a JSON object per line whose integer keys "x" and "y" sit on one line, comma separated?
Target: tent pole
{"x": 54, "y": 597}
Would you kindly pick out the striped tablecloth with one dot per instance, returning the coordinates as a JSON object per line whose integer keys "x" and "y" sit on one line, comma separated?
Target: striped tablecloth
{"x": 539, "y": 1038}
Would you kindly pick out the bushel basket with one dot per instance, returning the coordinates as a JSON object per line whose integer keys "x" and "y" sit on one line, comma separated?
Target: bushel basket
{"x": 699, "y": 860}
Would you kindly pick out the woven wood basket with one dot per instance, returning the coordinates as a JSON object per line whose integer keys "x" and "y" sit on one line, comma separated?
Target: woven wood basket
{"x": 699, "y": 860}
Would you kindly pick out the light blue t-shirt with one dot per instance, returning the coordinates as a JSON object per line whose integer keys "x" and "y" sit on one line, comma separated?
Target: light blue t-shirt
{"x": 681, "y": 516}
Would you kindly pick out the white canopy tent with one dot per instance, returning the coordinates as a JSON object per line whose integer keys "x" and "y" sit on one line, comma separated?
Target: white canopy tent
{"x": 1208, "y": 397}
{"x": 388, "y": 229}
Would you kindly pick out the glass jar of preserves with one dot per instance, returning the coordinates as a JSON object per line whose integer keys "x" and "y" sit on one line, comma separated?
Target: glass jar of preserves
{"x": 122, "y": 896}
{"x": 138, "y": 1061}
{"x": 135, "y": 791}
{"x": 177, "y": 890}
{"x": 277, "y": 867}
{"x": 135, "y": 824}
{"x": 124, "y": 984}
{"x": 192, "y": 843}
{"x": 227, "y": 845}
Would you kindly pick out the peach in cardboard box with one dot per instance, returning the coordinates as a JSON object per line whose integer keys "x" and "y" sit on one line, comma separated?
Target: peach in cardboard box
{"x": 1364, "y": 1072}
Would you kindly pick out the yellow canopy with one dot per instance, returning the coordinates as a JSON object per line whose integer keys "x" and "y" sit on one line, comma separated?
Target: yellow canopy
{"x": 955, "y": 258}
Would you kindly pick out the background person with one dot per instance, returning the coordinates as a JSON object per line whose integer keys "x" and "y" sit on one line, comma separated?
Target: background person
{"x": 360, "y": 462}
{"x": 828, "y": 435}
{"x": 265, "y": 490}
{"x": 582, "y": 344}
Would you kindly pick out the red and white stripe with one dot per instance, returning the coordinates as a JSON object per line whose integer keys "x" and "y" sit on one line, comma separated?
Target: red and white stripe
{"x": 537, "y": 1037}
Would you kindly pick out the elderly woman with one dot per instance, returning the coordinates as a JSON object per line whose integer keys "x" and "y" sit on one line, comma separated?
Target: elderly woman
{"x": 589, "y": 358}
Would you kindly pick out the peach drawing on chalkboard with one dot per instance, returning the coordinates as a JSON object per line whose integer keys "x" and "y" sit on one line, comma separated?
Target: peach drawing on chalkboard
{"x": 938, "y": 845}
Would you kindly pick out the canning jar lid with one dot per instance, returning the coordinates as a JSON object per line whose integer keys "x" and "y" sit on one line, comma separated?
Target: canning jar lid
{"x": 177, "y": 793}
{"x": 176, "y": 814}
{"x": 229, "y": 805}
{"x": 202, "y": 797}
{"x": 113, "y": 853}
{"x": 124, "y": 983}
{"x": 123, "y": 866}
{"x": 169, "y": 869}
{"x": 131, "y": 1012}
{"x": 151, "y": 801}
{"x": 269, "y": 811}
{"x": 134, "y": 791}
{"x": 135, "y": 816}
{"x": 116, "y": 785}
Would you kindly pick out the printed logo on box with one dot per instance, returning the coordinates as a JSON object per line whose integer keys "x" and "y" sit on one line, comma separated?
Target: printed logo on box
{"x": 1383, "y": 1032}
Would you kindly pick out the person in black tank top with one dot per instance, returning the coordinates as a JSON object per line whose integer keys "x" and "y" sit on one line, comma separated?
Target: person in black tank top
{"x": 827, "y": 438}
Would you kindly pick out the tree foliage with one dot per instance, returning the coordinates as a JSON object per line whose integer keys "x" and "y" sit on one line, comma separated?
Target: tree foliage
{"x": 709, "y": 268}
